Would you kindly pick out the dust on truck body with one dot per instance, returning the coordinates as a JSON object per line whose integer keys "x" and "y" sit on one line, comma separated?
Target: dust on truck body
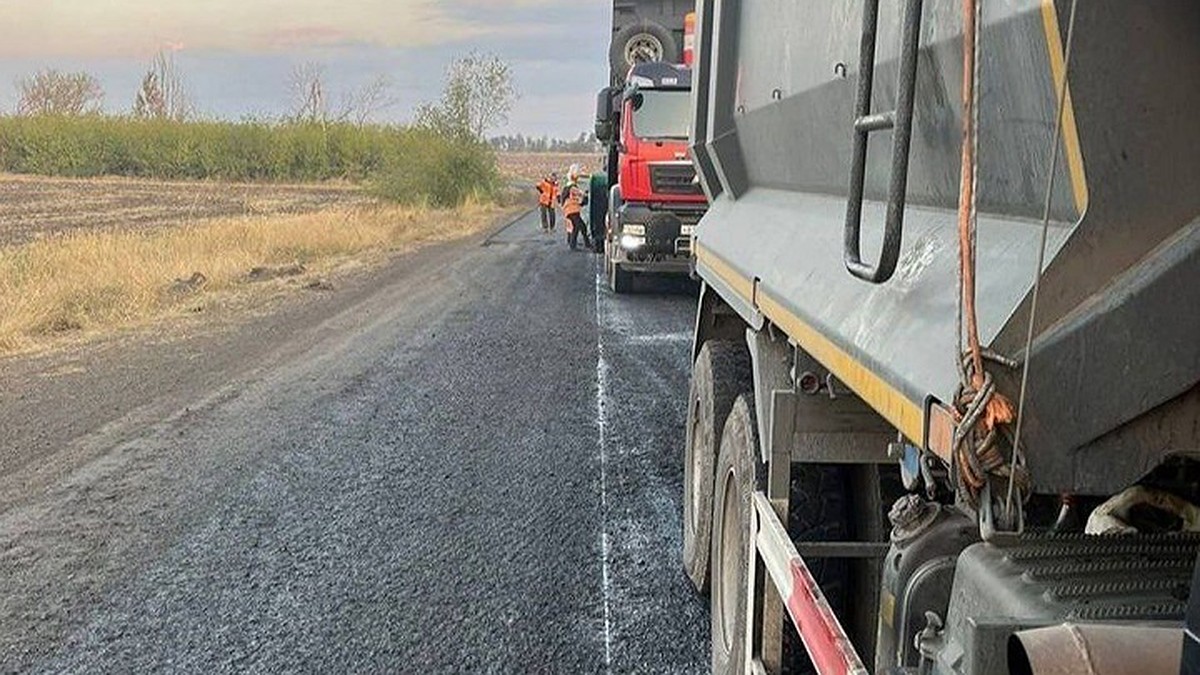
{"x": 866, "y": 488}
{"x": 644, "y": 120}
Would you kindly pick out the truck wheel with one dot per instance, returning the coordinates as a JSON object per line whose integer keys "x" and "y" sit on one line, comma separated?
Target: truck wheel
{"x": 739, "y": 474}
{"x": 720, "y": 374}
{"x": 598, "y": 198}
{"x": 818, "y": 510}
{"x": 642, "y": 42}
{"x": 621, "y": 280}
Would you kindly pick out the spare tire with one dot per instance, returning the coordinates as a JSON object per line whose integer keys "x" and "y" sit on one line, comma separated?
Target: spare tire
{"x": 642, "y": 42}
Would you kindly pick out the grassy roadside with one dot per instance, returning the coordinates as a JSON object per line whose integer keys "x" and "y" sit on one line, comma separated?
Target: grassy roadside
{"x": 91, "y": 282}
{"x": 400, "y": 164}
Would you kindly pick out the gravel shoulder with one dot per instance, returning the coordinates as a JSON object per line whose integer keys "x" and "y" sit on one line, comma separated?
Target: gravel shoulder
{"x": 465, "y": 461}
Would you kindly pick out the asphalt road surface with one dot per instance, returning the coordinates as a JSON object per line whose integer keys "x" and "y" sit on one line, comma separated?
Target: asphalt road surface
{"x": 469, "y": 462}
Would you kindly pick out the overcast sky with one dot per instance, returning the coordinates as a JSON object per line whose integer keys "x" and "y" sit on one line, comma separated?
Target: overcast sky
{"x": 236, "y": 55}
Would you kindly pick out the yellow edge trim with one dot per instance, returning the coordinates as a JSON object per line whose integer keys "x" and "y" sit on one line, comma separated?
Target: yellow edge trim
{"x": 1054, "y": 45}
{"x": 883, "y": 397}
{"x": 740, "y": 284}
{"x": 894, "y": 406}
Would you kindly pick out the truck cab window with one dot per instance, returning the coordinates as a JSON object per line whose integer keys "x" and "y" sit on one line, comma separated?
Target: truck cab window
{"x": 662, "y": 114}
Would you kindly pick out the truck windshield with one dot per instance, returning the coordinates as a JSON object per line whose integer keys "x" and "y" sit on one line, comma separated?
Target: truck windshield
{"x": 663, "y": 114}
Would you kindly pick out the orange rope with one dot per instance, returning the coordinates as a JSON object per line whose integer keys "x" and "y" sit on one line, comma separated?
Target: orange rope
{"x": 966, "y": 190}
{"x": 999, "y": 410}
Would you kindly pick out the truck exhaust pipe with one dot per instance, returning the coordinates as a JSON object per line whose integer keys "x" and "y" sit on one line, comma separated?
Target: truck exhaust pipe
{"x": 1095, "y": 649}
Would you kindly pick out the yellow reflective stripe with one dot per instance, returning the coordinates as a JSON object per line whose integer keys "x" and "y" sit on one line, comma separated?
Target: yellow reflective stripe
{"x": 741, "y": 285}
{"x": 895, "y": 407}
{"x": 1070, "y": 136}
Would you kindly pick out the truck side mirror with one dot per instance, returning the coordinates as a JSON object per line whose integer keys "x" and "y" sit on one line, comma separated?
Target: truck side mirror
{"x": 604, "y": 115}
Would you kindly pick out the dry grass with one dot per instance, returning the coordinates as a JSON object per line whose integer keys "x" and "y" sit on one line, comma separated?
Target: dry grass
{"x": 85, "y": 282}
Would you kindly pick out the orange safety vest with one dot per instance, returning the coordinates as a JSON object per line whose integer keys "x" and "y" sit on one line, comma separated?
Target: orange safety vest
{"x": 574, "y": 203}
{"x": 547, "y": 191}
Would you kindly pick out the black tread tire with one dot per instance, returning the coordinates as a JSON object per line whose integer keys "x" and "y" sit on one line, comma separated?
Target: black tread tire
{"x": 622, "y": 280}
{"x": 610, "y": 243}
{"x": 720, "y": 374}
{"x": 597, "y": 213}
{"x": 819, "y": 509}
{"x": 739, "y": 474}
{"x": 616, "y": 52}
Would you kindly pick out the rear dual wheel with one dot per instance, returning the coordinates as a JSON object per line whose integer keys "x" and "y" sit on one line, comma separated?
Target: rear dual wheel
{"x": 739, "y": 474}
{"x": 818, "y": 512}
{"x": 720, "y": 374}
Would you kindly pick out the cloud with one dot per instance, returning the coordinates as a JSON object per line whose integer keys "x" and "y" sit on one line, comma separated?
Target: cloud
{"x": 237, "y": 55}
{"x": 124, "y": 28}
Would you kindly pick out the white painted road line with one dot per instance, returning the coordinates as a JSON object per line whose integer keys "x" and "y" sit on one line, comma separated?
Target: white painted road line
{"x": 602, "y": 425}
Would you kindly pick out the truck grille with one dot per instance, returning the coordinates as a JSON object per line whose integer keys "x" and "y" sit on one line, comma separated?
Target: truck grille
{"x": 674, "y": 179}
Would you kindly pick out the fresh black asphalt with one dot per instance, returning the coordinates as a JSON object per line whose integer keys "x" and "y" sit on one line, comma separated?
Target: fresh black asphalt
{"x": 473, "y": 468}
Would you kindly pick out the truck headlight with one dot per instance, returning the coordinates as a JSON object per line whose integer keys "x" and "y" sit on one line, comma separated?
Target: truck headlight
{"x": 630, "y": 242}
{"x": 634, "y": 229}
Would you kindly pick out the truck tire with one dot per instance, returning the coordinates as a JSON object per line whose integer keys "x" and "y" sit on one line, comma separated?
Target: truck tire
{"x": 739, "y": 474}
{"x": 598, "y": 198}
{"x": 608, "y": 261}
{"x": 641, "y": 42}
{"x": 610, "y": 243}
{"x": 819, "y": 509}
{"x": 621, "y": 280}
{"x": 721, "y": 373}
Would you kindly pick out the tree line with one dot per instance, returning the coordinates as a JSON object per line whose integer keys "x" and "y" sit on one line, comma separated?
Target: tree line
{"x": 478, "y": 96}
{"x": 585, "y": 143}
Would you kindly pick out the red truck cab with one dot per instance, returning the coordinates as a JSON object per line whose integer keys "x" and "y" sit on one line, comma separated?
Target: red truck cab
{"x": 657, "y": 199}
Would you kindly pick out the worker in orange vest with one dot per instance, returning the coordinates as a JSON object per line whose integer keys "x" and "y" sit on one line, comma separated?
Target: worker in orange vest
{"x": 547, "y": 194}
{"x": 573, "y": 200}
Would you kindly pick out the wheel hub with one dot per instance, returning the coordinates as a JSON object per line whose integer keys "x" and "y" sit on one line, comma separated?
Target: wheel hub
{"x": 643, "y": 48}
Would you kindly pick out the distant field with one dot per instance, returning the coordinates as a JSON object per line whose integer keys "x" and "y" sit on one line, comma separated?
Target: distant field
{"x": 531, "y": 166}
{"x": 33, "y": 207}
{"x": 81, "y": 257}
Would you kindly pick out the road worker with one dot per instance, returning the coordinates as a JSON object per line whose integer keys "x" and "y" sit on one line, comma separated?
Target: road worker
{"x": 547, "y": 194}
{"x": 574, "y": 196}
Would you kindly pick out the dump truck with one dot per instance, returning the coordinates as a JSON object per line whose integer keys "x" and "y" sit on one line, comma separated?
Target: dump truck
{"x": 944, "y": 410}
{"x": 648, "y": 31}
{"x": 655, "y": 199}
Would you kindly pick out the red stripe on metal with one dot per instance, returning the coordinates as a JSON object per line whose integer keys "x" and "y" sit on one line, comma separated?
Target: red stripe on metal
{"x": 823, "y": 637}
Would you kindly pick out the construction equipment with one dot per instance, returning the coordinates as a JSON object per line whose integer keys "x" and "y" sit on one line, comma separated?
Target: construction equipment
{"x": 655, "y": 200}
{"x": 949, "y": 331}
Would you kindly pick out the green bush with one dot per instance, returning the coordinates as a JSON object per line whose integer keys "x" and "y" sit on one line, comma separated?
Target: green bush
{"x": 437, "y": 171}
{"x": 401, "y": 164}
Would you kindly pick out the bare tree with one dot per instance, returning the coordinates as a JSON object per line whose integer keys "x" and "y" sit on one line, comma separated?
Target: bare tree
{"x": 149, "y": 103}
{"x": 51, "y": 92}
{"x": 361, "y": 105}
{"x": 307, "y": 85}
{"x": 479, "y": 95}
{"x": 163, "y": 94}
